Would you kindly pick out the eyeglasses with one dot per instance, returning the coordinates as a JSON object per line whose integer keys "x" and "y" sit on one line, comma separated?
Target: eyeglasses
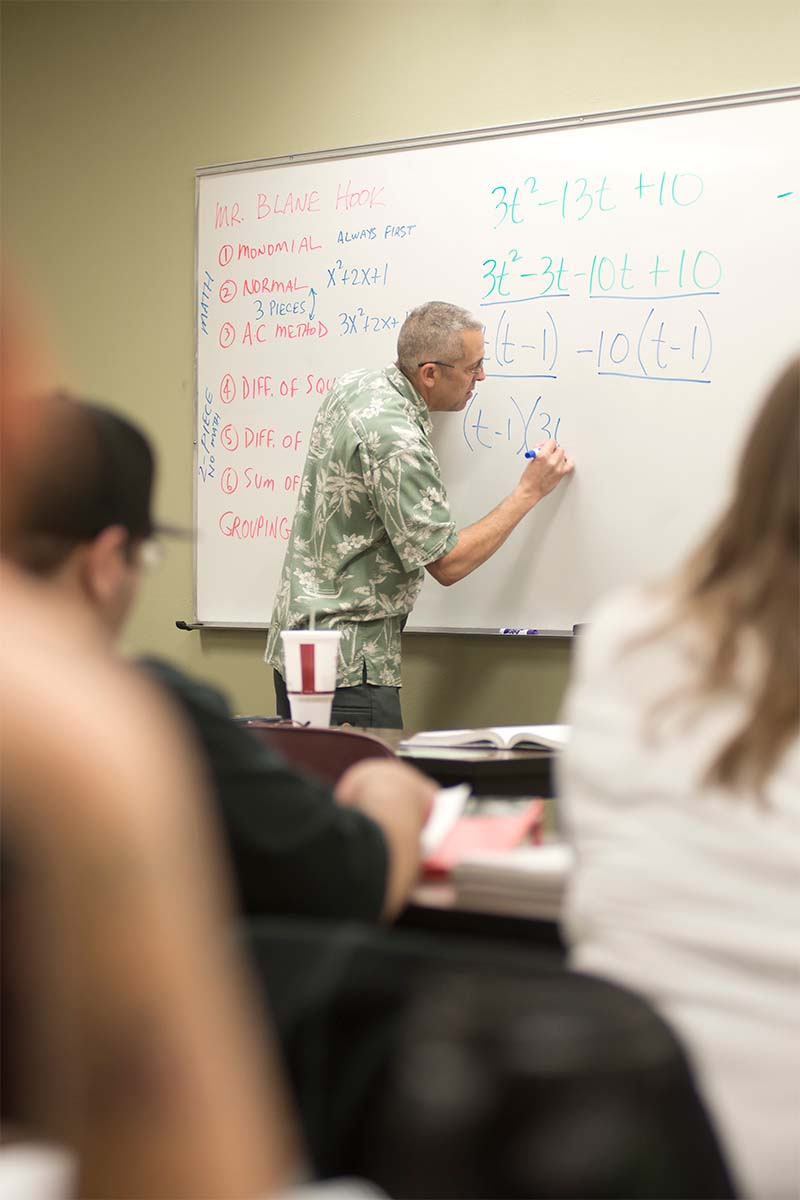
{"x": 474, "y": 371}
{"x": 150, "y": 554}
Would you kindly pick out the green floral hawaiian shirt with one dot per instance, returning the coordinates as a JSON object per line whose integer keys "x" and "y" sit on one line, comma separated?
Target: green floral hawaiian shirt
{"x": 372, "y": 512}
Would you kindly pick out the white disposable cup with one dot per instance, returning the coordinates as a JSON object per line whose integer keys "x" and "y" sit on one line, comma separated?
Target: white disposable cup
{"x": 311, "y": 657}
{"x": 311, "y": 710}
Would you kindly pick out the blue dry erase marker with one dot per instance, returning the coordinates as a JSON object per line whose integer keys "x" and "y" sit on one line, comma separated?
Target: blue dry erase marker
{"x": 519, "y": 632}
{"x": 531, "y": 453}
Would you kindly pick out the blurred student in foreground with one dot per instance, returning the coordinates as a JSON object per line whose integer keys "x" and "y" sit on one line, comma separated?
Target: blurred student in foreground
{"x": 295, "y": 847}
{"x": 129, "y": 1036}
{"x": 681, "y": 787}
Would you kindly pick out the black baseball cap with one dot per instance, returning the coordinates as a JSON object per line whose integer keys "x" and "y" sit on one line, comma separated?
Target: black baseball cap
{"x": 99, "y": 471}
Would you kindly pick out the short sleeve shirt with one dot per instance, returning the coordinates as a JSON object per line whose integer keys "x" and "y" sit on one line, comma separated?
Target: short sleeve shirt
{"x": 372, "y": 513}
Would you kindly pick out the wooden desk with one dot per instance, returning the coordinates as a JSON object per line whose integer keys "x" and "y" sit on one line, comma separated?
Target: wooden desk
{"x": 490, "y": 772}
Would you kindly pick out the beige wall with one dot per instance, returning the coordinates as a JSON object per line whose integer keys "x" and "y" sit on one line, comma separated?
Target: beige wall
{"x": 108, "y": 108}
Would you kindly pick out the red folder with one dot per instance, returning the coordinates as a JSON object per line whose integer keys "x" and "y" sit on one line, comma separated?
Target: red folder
{"x": 478, "y": 832}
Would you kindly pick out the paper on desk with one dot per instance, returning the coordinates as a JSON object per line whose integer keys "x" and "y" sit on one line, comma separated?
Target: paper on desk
{"x": 448, "y": 806}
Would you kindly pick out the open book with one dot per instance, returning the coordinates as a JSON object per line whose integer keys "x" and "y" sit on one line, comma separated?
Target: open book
{"x": 500, "y": 737}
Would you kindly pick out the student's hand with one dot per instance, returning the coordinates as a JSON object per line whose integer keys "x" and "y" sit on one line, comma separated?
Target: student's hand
{"x": 398, "y": 799}
{"x": 373, "y": 782}
{"x": 546, "y": 470}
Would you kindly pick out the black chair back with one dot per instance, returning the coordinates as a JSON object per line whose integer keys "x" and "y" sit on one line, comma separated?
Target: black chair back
{"x": 325, "y": 753}
{"x": 458, "y": 1067}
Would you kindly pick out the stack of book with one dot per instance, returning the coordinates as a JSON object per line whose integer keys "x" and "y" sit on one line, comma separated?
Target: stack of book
{"x": 528, "y": 881}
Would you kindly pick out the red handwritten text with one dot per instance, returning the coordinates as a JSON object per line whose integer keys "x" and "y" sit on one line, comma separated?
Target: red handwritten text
{"x": 252, "y": 287}
{"x": 302, "y": 329}
{"x": 277, "y": 205}
{"x": 231, "y": 525}
{"x": 348, "y": 198}
{"x": 299, "y": 245}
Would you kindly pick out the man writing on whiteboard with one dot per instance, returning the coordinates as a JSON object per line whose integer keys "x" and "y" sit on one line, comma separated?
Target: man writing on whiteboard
{"x": 373, "y": 513}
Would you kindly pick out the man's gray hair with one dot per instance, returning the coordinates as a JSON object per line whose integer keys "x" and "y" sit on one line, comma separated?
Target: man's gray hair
{"x": 432, "y": 333}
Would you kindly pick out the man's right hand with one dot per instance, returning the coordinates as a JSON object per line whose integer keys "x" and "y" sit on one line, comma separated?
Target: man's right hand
{"x": 480, "y": 541}
{"x": 546, "y": 471}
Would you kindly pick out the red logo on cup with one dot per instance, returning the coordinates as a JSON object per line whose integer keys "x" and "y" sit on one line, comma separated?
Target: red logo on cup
{"x": 307, "y": 667}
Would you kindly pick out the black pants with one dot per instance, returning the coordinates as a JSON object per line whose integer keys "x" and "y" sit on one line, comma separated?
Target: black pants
{"x": 369, "y": 705}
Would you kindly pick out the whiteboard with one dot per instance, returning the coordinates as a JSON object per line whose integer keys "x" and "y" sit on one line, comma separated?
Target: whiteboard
{"x": 605, "y": 254}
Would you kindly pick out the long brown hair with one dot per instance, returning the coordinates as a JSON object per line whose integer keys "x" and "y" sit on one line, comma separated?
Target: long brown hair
{"x": 746, "y": 576}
